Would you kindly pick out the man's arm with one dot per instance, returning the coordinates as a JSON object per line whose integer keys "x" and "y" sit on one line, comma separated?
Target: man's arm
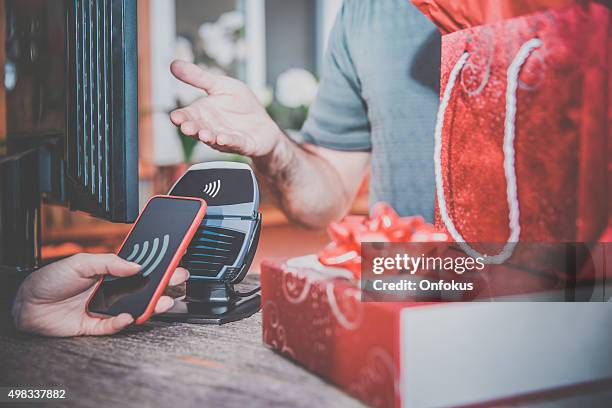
{"x": 316, "y": 182}
{"x": 313, "y": 184}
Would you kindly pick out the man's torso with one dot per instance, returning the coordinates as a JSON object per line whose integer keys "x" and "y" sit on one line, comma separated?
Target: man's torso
{"x": 396, "y": 54}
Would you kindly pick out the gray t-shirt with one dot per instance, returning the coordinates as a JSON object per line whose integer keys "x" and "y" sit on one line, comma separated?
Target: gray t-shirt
{"x": 379, "y": 93}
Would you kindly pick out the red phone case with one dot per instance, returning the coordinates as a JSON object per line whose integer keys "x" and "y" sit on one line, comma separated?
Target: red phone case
{"x": 173, "y": 263}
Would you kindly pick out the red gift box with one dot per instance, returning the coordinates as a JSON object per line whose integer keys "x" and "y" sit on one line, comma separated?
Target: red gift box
{"x": 315, "y": 317}
{"x": 522, "y": 149}
{"x": 419, "y": 354}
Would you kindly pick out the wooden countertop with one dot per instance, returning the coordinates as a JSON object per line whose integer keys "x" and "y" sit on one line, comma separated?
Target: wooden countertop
{"x": 166, "y": 365}
{"x": 184, "y": 365}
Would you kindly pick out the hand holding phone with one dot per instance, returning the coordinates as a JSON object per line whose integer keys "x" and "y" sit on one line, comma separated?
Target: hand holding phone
{"x": 156, "y": 242}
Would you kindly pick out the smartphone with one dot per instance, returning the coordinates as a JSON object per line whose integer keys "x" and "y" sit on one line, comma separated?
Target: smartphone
{"x": 157, "y": 241}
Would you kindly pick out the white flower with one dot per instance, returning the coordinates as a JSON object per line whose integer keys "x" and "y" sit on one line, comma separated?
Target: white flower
{"x": 296, "y": 87}
{"x": 231, "y": 21}
{"x": 209, "y": 31}
{"x": 183, "y": 50}
{"x": 217, "y": 44}
{"x": 264, "y": 95}
{"x": 240, "y": 50}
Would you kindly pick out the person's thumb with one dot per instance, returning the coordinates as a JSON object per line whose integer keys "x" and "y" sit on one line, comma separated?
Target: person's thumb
{"x": 106, "y": 326}
{"x": 96, "y": 265}
{"x": 195, "y": 76}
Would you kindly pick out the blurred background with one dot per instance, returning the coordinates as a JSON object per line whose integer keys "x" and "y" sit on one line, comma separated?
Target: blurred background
{"x": 275, "y": 46}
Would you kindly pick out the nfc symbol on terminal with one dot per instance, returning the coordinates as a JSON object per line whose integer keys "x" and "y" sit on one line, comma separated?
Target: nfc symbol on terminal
{"x": 212, "y": 189}
{"x": 145, "y": 257}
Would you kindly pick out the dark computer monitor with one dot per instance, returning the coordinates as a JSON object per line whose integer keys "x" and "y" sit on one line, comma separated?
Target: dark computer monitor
{"x": 72, "y": 114}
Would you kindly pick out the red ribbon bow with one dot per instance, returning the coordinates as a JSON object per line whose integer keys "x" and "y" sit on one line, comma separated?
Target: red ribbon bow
{"x": 384, "y": 225}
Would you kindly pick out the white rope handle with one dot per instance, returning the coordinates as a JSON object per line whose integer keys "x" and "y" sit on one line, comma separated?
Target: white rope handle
{"x": 508, "y": 148}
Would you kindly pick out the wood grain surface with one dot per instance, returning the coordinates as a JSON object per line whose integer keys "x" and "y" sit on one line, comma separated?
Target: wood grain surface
{"x": 183, "y": 365}
{"x": 165, "y": 365}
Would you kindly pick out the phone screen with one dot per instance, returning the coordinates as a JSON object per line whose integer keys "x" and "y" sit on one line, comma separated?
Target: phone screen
{"x": 152, "y": 243}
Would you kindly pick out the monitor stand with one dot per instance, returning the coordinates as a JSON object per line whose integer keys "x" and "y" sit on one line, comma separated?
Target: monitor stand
{"x": 212, "y": 303}
{"x": 20, "y": 202}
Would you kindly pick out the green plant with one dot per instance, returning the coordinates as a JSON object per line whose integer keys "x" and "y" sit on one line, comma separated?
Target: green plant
{"x": 188, "y": 145}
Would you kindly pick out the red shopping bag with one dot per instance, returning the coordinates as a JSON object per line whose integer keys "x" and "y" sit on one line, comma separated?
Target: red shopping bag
{"x": 522, "y": 139}
{"x": 453, "y": 15}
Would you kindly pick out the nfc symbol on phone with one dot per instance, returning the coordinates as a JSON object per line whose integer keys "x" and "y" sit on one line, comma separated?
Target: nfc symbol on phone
{"x": 212, "y": 189}
{"x": 145, "y": 257}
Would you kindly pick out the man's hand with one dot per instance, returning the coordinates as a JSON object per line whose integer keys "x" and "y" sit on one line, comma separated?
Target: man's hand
{"x": 314, "y": 185}
{"x": 51, "y": 301}
{"x": 229, "y": 118}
